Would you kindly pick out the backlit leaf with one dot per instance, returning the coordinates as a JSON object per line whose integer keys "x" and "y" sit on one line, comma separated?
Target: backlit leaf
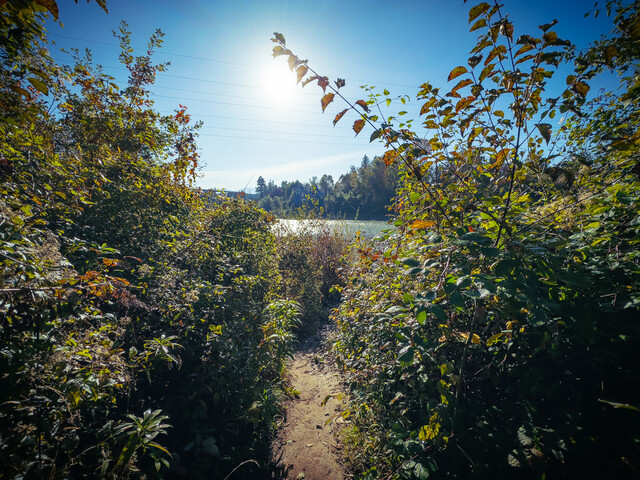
{"x": 376, "y": 133}
{"x": 323, "y": 82}
{"x": 278, "y": 38}
{"x": 499, "y": 52}
{"x": 39, "y": 85}
{"x": 547, "y": 26}
{"x": 326, "y": 100}
{"x": 363, "y": 104}
{"x": 581, "y": 87}
{"x": 479, "y": 24}
{"x": 465, "y": 102}
{"x": 50, "y": 5}
{"x": 609, "y": 53}
{"x": 358, "y": 125}
{"x": 545, "y": 130}
{"x": 340, "y": 115}
{"x": 524, "y": 49}
{"x": 420, "y": 224}
{"x": 475, "y": 60}
{"x": 301, "y": 71}
{"x": 390, "y": 157}
{"x": 279, "y": 50}
{"x": 456, "y": 72}
{"x": 293, "y": 61}
{"x": 478, "y": 10}
{"x": 486, "y": 71}
{"x": 309, "y": 80}
{"x": 461, "y": 84}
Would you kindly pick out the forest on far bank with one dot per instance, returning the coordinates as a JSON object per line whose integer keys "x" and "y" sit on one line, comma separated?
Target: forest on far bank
{"x": 364, "y": 193}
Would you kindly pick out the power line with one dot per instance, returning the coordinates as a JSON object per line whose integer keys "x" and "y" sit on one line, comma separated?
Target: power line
{"x": 276, "y": 140}
{"x": 164, "y": 74}
{"x": 280, "y": 133}
{"x": 216, "y": 60}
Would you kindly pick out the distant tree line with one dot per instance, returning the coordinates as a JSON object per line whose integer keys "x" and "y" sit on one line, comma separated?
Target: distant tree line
{"x": 364, "y": 192}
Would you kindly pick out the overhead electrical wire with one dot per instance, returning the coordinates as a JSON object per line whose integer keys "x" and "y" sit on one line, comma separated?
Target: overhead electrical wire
{"x": 161, "y": 52}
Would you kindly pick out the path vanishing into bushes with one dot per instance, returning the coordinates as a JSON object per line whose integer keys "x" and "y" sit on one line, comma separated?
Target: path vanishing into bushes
{"x": 307, "y": 446}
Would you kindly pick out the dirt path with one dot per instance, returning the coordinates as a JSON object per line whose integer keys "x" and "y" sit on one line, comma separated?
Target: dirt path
{"x": 307, "y": 447}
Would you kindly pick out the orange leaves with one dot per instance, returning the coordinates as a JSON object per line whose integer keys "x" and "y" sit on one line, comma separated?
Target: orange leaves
{"x": 501, "y": 156}
{"x": 456, "y": 72}
{"x": 461, "y": 84}
{"x": 464, "y": 103}
{"x": 422, "y": 224}
{"x": 339, "y": 116}
{"x": 358, "y": 125}
{"x": 326, "y": 100}
{"x": 390, "y": 157}
{"x": 110, "y": 262}
{"x": 500, "y": 51}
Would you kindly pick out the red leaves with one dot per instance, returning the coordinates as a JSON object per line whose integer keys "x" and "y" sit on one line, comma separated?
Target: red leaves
{"x": 456, "y": 72}
{"x": 326, "y": 100}
{"x": 363, "y": 104}
{"x": 339, "y": 116}
{"x": 358, "y": 125}
{"x": 323, "y": 82}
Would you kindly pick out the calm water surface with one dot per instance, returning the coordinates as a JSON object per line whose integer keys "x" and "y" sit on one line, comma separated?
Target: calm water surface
{"x": 368, "y": 228}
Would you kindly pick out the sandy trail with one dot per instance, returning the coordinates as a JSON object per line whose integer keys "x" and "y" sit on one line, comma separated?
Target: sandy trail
{"x": 307, "y": 446}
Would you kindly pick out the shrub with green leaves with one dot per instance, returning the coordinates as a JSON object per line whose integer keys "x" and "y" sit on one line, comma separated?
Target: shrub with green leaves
{"x": 493, "y": 333}
{"x": 141, "y": 331}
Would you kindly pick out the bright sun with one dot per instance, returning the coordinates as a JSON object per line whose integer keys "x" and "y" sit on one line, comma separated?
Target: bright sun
{"x": 280, "y": 83}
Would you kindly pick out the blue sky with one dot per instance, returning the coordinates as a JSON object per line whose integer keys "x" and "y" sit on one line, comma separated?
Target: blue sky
{"x": 257, "y": 122}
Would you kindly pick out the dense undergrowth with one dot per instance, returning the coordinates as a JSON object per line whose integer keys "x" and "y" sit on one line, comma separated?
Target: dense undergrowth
{"x": 494, "y": 333}
{"x": 143, "y": 332}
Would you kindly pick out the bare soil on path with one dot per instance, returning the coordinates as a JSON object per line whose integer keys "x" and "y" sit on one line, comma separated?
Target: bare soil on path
{"x": 307, "y": 446}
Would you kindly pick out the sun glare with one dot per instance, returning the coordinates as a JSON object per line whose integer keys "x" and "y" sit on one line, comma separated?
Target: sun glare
{"x": 280, "y": 84}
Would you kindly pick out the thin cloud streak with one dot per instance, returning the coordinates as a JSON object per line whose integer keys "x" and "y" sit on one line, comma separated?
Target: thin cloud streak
{"x": 238, "y": 179}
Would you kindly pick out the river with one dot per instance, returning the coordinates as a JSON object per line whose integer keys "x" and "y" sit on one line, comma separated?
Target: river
{"x": 367, "y": 228}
